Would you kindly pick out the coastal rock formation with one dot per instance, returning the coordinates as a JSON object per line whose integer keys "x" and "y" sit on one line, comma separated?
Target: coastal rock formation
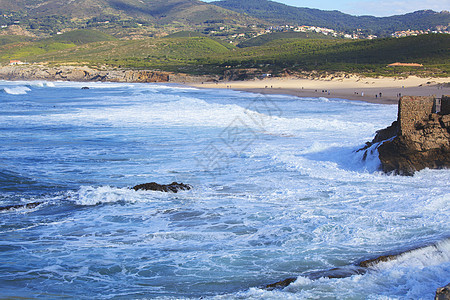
{"x": 174, "y": 187}
{"x": 85, "y": 74}
{"x": 443, "y": 293}
{"x": 419, "y": 139}
{"x": 70, "y": 73}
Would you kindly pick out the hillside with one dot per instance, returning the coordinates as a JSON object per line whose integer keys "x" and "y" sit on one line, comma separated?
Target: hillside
{"x": 280, "y": 37}
{"x": 16, "y": 47}
{"x": 203, "y": 55}
{"x": 158, "y": 11}
{"x": 280, "y": 14}
{"x": 116, "y": 16}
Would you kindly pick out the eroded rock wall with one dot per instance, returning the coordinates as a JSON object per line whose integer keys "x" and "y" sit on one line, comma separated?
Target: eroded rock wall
{"x": 419, "y": 138}
{"x": 86, "y": 74}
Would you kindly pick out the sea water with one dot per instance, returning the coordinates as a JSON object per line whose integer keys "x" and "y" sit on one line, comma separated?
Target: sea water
{"x": 279, "y": 191}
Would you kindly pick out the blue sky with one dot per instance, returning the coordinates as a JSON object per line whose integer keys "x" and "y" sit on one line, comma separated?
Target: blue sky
{"x": 379, "y": 8}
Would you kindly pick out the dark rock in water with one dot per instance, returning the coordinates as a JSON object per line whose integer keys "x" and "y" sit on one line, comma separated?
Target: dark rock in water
{"x": 85, "y": 88}
{"x": 359, "y": 269}
{"x": 343, "y": 272}
{"x": 371, "y": 262}
{"x": 280, "y": 284}
{"x": 332, "y": 273}
{"x": 419, "y": 139}
{"x": 18, "y": 206}
{"x": 443, "y": 293}
{"x": 174, "y": 187}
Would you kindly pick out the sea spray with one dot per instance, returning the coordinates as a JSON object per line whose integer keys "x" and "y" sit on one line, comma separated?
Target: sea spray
{"x": 18, "y": 90}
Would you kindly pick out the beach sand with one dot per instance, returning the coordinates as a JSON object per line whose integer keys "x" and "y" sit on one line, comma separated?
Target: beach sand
{"x": 350, "y": 87}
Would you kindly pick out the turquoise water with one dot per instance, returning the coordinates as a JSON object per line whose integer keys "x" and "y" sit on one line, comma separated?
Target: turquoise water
{"x": 278, "y": 192}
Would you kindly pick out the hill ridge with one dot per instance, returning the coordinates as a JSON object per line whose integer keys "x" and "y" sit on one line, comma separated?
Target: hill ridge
{"x": 284, "y": 14}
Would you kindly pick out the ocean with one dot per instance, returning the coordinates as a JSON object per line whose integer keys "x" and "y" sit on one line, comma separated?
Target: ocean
{"x": 279, "y": 192}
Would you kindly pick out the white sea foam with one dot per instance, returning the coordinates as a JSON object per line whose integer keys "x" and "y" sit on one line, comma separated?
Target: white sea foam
{"x": 17, "y": 90}
{"x": 413, "y": 275}
{"x": 295, "y": 199}
{"x": 88, "y": 195}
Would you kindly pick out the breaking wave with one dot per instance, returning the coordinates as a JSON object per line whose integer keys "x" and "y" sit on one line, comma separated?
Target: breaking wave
{"x": 18, "y": 90}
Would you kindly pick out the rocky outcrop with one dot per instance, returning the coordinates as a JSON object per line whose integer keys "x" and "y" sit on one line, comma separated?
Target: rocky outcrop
{"x": 70, "y": 73}
{"x": 174, "y": 187}
{"x": 419, "y": 139}
{"x": 371, "y": 264}
{"x": 443, "y": 293}
{"x": 19, "y": 206}
{"x": 86, "y": 74}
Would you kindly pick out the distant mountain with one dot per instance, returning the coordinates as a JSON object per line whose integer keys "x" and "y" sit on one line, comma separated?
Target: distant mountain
{"x": 154, "y": 11}
{"x": 143, "y": 18}
{"x": 279, "y": 13}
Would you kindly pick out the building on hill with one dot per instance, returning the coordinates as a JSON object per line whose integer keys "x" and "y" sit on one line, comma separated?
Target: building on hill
{"x": 398, "y": 64}
{"x": 14, "y": 62}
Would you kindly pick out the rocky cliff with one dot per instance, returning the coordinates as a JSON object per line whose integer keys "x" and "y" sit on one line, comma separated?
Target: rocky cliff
{"x": 419, "y": 139}
{"x": 84, "y": 74}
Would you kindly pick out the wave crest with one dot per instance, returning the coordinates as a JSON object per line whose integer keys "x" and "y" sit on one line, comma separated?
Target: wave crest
{"x": 18, "y": 90}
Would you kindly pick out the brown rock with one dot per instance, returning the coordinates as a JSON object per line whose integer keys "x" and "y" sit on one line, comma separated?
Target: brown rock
{"x": 280, "y": 284}
{"x": 419, "y": 139}
{"x": 443, "y": 293}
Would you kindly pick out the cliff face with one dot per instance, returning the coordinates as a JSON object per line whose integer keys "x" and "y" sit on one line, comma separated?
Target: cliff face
{"x": 85, "y": 74}
{"x": 419, "y": 139}
{"x": 79, "y": 74}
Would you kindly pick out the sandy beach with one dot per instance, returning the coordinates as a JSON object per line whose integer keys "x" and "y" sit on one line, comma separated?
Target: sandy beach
{"x": 385, "y": 90}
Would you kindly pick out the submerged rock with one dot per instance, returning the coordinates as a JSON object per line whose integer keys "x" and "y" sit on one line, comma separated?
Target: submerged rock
{"x": 18, "y": 206}
{"x": 174, "y": 187}
{"x": 419, "y": 139}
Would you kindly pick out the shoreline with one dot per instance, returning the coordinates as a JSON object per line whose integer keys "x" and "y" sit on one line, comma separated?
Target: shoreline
{"x": 384, "y": 90}
{"x": 352, "y": 87}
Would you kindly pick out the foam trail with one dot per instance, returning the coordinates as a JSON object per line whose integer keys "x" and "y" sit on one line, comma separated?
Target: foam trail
{"x": 89, "y": 196}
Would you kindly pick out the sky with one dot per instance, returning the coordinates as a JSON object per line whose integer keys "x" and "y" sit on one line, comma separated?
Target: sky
{"x": 380, "y": 8}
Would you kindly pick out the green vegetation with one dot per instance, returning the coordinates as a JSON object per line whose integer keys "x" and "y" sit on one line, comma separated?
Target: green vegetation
{"x": 182, "y": 34}
{"x": 281, "y": 37}
{"x": 22, "y": 48}
{"x": 82, "y": 36}
{"x": 13, "y": 39}
{"x": 27, "y": 50}
{"x": 203, "y": 55}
